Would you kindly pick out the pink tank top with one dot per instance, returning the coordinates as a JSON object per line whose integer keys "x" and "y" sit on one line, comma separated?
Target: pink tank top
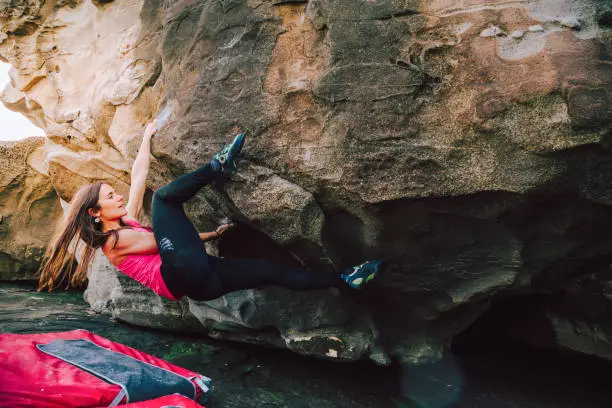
{"x": 145, "y": 268}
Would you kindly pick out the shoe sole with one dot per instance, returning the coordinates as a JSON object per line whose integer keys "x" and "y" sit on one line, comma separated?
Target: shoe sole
{"x": 233, "y": 149}
{"x": 360, "y": 281}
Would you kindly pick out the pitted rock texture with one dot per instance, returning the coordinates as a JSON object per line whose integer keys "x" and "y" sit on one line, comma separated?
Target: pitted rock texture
{"x": 29, "y": 207}
{"x": 429, "y": 133}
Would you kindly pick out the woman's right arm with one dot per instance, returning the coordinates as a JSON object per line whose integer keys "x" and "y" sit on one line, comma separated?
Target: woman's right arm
{"x": 140, "y": 172}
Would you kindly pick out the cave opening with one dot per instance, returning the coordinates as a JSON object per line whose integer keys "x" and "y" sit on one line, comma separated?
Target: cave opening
{"x": 510, "y": 347}
{"x": 491, "y": 365}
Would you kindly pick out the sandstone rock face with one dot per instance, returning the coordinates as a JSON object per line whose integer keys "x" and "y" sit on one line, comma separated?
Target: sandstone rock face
{"x": 467, "y": 142}
{"x": 29, "y": 209}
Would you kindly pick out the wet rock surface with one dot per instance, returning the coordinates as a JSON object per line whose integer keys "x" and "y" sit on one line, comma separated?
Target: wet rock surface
{"x": 487, "y": 371}
{"x": 244, "y": 376}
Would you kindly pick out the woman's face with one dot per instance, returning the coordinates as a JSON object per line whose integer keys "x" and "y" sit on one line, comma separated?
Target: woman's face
{"x": 111, "y": 204}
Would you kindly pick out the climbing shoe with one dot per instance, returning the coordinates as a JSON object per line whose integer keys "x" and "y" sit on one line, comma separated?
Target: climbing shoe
{"x": 226, "y": 158}
{"x": 359, "y": 275}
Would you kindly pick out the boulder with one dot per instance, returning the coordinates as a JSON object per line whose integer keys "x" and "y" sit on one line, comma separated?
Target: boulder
{"x": 29, "y": 210}
{"x": 477, "y": 163}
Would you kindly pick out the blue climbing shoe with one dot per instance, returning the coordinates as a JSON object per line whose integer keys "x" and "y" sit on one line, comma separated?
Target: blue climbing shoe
{"x": 359, "y": 275}
{"x": 227, "y": 156}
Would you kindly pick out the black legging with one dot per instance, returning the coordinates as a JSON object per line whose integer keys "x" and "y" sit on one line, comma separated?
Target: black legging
{"x": 189, "y": 271}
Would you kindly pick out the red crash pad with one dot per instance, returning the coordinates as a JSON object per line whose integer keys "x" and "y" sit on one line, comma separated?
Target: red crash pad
{"x": 31, "y": 378}
{"x": 169, "y": 401}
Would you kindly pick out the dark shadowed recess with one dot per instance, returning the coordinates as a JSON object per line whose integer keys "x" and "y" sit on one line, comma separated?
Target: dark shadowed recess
{"x": 493, "y": 357}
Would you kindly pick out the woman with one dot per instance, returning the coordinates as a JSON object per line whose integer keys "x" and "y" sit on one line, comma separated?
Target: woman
{"x": 169, "y": 259}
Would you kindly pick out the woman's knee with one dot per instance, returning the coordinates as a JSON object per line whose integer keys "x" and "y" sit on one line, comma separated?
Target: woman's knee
{"x": 161, "y": 194}
{"x": 188, "y": 260}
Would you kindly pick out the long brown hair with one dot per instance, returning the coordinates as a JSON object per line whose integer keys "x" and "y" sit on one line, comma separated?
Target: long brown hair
{"x": 78, "y": 228}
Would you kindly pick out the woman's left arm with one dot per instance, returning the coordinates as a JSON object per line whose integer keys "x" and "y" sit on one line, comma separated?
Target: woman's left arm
{"x": 209, "y": 236}
{"x": 140, "y": 171}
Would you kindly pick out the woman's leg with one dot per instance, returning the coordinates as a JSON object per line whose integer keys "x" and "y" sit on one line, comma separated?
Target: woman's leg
{"x": 184, "y": 260}
{"x": 187, "y": 185}
{"x": 231, "y": 274}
